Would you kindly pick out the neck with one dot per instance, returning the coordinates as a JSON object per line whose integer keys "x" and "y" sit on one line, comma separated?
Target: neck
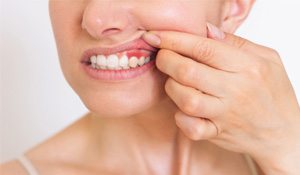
{"x": 151, "y": 139}
{"x": 157, "y": 125}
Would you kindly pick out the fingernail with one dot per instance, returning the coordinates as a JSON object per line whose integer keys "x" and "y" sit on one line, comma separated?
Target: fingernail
{"x": 214, "y": 32}
{"x": 152, "y": 39}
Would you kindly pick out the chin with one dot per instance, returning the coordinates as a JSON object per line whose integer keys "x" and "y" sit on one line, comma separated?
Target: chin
{"x": 114, "y": 105}
{"x": 126, "y": 99}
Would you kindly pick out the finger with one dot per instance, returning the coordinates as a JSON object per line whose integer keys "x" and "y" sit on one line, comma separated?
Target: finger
{"x": 191, "y": 73}
{"x": 196, "y": 128}
{"x": 211, "y": 52}
{"x": 214, "y": 32}
{"x": 193, "y": 102}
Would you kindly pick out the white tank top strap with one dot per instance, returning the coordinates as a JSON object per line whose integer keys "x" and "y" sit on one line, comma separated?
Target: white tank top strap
{"x": 251, "y": 165}
{"x": 26, "y": 163}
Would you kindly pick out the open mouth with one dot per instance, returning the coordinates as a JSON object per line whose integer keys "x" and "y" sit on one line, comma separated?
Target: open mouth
{"x": 122, "y": 62}
{"x": 125, "y": 60}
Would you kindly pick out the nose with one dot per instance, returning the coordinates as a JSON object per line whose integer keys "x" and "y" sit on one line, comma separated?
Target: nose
{"x": 105, "y": 18}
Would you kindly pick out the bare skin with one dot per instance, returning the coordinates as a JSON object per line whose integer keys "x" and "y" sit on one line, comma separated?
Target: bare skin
{"x": 71, "y": 152}
{"x": 143, "y": 125}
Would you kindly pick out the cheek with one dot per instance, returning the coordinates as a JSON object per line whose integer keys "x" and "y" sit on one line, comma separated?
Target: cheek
{"x": 186, "y": 17}
{"x": 66, "y": 25}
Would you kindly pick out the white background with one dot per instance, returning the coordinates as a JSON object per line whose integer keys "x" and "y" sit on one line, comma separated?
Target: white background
{"x": 36, "y": 102}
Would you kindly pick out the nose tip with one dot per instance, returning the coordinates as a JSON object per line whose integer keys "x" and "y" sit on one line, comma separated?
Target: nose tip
{"x": 98, "y": 29}
{"x": 100, "y": 22}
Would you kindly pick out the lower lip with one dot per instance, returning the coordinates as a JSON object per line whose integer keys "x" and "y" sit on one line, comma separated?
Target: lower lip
{"x": 115, "y": 75}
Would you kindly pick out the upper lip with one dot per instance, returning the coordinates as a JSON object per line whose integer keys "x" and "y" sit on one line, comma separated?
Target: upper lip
{"x": 138, "y": 44}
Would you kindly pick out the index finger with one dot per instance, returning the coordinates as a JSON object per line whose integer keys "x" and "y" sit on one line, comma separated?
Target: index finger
{"x": 207, "y": 51}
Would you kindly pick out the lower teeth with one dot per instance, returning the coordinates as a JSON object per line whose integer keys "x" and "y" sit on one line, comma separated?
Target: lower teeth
{"x": 95, "y": 66}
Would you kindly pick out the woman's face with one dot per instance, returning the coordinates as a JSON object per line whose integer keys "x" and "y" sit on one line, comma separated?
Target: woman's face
{"x": 81, "y": 25}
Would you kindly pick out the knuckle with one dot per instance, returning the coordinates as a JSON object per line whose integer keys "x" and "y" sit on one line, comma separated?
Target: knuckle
{"x": 190, "y": 105}
{"x": 184, "y": 72}
{"x": 203, "y": 50}
{"x": 258, "y": 71}
{"x": 173, "y": 43}
{"x": 253, "y": 81}
{"x": 196, "y": 131}
{"x": 239, "y": 42}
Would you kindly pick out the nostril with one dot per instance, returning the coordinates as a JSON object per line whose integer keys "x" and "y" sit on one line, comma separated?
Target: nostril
{"x": 111, "y": 31}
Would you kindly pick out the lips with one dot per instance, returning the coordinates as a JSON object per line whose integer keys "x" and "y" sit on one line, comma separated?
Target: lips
{"x": 123, "y": 62}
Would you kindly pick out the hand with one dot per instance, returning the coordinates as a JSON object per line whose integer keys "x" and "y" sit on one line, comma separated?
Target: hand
{"x": 231, "y": 92}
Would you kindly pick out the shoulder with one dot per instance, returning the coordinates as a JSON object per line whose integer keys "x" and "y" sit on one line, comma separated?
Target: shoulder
{"x": 47, "y": 155}
{"x": 12, "y": 167}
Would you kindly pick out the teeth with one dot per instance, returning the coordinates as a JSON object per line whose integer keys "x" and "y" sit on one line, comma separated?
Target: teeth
{"x": 147, "y": 60}
{"x": 102, "y": 67}
{"x": 93, "y": 59}
{"x": 101, "y": 61}
{"x": 123, "y": 62}
{"x": 113, "y": 62}
{"x": 141, "y": 61}
{"x": 133, "y": 62}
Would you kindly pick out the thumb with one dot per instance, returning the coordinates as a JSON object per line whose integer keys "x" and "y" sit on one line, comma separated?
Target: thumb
{"x": 213, "y": 32}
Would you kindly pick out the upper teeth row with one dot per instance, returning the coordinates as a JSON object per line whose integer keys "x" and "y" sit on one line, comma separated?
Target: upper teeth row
{"x": 112, "y": 62}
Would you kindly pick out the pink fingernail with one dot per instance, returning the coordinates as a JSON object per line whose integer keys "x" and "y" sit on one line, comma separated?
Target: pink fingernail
{"x": 152, "y": 39}
{"x": 214, "y": 32}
